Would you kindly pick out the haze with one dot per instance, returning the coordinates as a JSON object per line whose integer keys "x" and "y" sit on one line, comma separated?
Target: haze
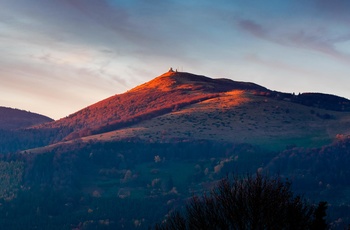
{"x": 60, "y": 56}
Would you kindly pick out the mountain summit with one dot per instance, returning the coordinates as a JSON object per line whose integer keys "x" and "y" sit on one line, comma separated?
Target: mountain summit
{"x": 191, "y": 82}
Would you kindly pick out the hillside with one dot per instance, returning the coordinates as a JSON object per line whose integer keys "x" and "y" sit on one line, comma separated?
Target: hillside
{"x": 168, "y": 92}
{"x": 16, "y": 119}
{"x": 180, "y": 106}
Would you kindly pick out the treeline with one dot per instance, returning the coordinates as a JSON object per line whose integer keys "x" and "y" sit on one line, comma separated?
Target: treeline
{"x": 317, "y": 100}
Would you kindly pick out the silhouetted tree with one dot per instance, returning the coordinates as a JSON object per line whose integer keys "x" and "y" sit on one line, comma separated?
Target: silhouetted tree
{"x": 319, "y": 222}
{"x": 253, "y": 202}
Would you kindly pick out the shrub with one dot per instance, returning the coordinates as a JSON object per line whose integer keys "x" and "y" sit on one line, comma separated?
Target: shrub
{"x": 253, "y": 202}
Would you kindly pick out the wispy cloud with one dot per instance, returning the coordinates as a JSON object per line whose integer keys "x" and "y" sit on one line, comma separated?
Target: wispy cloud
{"x": 317, "y": 39}
{"x": 254, "y": 28}
{"x": 334, "y": 7}
{"x": 320, "y": 42}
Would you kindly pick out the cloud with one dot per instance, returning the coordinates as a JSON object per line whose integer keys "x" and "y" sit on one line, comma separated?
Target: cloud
{"x": 253, "y": 28}
{"x": 279, "y": 64}
{"x": 317, "y": 39}
{"x": 339, "y": 8}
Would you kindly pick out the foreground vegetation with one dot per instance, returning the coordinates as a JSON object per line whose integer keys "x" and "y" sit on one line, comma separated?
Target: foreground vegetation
{"x": 252, "y": 202}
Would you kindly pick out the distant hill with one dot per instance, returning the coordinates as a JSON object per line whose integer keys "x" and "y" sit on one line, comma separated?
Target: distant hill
{"x": 16, "y": 119}
{"x": 16, "y": 132}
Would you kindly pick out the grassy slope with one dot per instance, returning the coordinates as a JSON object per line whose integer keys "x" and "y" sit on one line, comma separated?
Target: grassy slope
{"x": 182, "y": 106}
{"x": 240, "y": 117}
{"x": 159, "y": 96}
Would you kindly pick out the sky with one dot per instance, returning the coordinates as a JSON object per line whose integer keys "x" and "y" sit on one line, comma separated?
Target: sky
{"x": 59, "y": 56}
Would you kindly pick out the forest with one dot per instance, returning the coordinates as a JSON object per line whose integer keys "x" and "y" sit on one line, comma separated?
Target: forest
{"x": 113, "y": 185}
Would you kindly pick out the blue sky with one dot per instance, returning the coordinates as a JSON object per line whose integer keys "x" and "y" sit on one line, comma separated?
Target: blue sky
{"x": 57, "y": 57}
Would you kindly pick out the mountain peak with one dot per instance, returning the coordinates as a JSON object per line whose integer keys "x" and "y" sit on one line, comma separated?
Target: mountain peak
{"x": 174, "y": 80}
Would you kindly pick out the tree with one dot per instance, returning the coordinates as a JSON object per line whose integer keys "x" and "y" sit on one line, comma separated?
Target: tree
{"x": 319, "y": 215}
{"x": 252, "y": 202}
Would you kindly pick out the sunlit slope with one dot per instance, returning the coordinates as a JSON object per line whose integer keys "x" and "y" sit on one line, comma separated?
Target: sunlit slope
{"x": 164, "y": 94}
{"x": 241, "y": 117}
{"x": 184, "y": 107}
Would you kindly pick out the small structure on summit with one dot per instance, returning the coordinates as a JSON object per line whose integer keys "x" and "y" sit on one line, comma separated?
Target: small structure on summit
{"x": 171, "y": 70}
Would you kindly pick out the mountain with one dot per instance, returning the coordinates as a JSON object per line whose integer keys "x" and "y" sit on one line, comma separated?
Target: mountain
{"x": 16, "y": 119}
{"x": 168, "y": 92}
{"x": 154, "y": 146}
{"x": 179, "y": 106}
